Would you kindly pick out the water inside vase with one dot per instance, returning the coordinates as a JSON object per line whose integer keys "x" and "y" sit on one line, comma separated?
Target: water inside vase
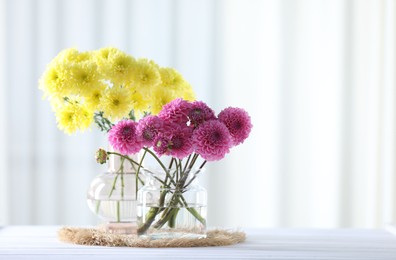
{"x": 185, "y": 225}
{"x": 114, "y": 210}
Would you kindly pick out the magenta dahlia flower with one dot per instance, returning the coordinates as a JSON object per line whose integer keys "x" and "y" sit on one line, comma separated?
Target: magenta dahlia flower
{"x": 212, "y": 140}
{"x": 199, "y": 113}
{"x": 176, "y": 111}
{"x": 237, "y": 120}
{"x": 161, "y": 144}
{"x": 123, "y": 137}
{"x": 174, "y": 140}
{"x": 148, "y": 128}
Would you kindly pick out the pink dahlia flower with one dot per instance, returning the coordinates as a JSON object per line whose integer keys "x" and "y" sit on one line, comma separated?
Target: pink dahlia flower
{"x": 148, "y": 128}
{"x": 237, "y": 120}
{"x": 123, "y": 137}
{"x": 175, "y": 140}
{"x": 176, "y": 111}
{"x": 199, "y": 113}
{"x": 212, "y": 140}
{"x": 161, "y": 144}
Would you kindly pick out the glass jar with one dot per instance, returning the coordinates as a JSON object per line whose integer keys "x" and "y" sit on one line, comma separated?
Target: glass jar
{"x": 172, "y": 205}
{"x": 112, "y": 197}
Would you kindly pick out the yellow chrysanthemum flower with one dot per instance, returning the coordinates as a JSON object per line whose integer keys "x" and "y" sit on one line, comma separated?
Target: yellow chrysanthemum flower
{"x": 116, "y": 102}
{"x": 185, "y": 91}
{"x": 65, "y": 74}
{"x": 145, "y": 76}
{"x": 172, "y": 79}
{"x": 103, "y": 56}
{"x": 140, "y": 104}
{"x": 93, "y": 99}
{"x": 174, "y": 82}
{"x": 159, "y": 98}
{"x": 73, "y": 116}
{"x": 55, "y": 81}
{"x": 115, "y": 65}
{"x": 72, "y": 55}
{"x": 84, "y": 78}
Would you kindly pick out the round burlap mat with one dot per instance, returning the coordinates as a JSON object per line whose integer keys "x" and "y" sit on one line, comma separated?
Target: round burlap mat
{"x": 98, "y": 237}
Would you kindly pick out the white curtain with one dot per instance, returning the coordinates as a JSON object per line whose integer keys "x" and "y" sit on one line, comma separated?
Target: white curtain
{"x": 4, "y": 196}
{"x": 317, "y": 77}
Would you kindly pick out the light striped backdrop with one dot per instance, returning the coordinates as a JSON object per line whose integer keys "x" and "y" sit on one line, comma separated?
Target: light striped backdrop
{"x": 316, "y": 76}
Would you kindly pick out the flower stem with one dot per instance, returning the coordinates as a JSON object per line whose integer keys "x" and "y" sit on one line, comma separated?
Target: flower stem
{"x": 122, "y": 189}
{"x": 172, "y": 220}
{"x": 173, "y": 203}
{"x": 118, "y": 173}
{"x": 131, "y": 161}
{"x": 122, "y": 185}
{"x": 137, "y": 173}
{"x": 125, "y": 157}
{"x": 193, "y": 211}
{"x": 194, "y": 159}
{"x": 160, "y": 163}
{"x": 168, "y": 213}
{"x": 177, "y": 172}
{"x": 203, "y": 164}
{"x": 156, "y": 158}
{"x": 114, "y": 185}
{"x": 180, "y": 167}
{"x": 118, "y": 211}
{"x": 97, "y": 207}
{"x": 171, "y": 163}
{"x": 188, "y": 160}
{"x": 195, "y": 174}
{"x": 150, "y": 216}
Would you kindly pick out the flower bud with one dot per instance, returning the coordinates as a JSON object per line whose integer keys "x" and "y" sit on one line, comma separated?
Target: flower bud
{"x": 101, "y": 156}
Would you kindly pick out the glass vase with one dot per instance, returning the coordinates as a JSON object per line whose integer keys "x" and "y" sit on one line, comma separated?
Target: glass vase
{"x": 112, "y": 197}
{"x": 172, "y": 205}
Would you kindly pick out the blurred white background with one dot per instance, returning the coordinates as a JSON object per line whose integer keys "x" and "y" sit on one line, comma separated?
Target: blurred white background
{"x": 317, "y": 77}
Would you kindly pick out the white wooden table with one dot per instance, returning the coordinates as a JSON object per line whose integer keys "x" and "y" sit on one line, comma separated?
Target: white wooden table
{"x": 40, "y": 242}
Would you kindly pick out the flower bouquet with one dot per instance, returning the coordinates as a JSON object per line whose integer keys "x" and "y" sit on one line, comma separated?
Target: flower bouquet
{"x": 169, "y": 204}
{"x": 147, "y": 110}
{"x": 103, "y": 87}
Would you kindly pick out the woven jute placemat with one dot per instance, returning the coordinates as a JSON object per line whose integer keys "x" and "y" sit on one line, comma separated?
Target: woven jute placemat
{"x": 98, "y": 237}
